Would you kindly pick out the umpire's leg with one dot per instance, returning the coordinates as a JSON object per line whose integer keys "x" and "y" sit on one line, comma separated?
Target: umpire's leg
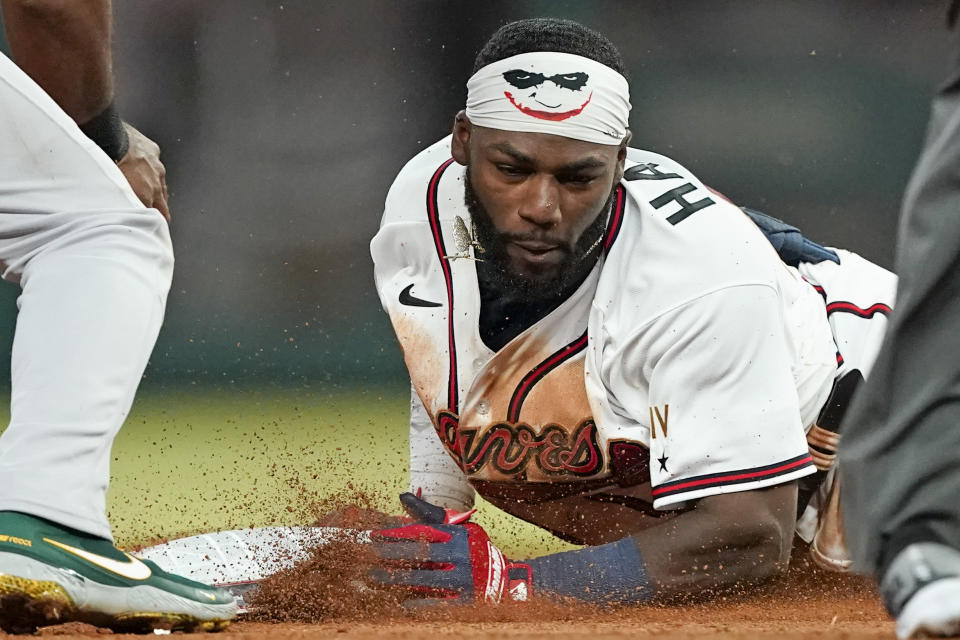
{"x": 901, "y": 443}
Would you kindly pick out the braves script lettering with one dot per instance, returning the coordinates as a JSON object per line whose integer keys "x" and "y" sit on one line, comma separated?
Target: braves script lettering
{"x": 510, "y": 448}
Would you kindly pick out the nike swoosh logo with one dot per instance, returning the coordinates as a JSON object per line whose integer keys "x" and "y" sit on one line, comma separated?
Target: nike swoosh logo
{"x": 409, "y": 300}
{"x": 132, "y": 570}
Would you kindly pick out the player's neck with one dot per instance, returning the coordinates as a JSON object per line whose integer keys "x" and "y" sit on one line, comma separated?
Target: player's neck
{"x": 505, "y": 312}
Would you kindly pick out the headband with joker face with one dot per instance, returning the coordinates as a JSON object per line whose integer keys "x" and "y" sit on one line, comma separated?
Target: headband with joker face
{"x": 555, "y": 97}
{"x": 548, "y": 92}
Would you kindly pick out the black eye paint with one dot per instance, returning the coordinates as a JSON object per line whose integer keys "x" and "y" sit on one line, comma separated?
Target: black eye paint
{"x": 571, "y": 81}
{"x": 523, "y": 79}
{"x": 526, "y": 79}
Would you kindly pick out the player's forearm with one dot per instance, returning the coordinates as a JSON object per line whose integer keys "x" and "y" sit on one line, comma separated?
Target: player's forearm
{"x": 64, "y": 45}
{"x": 725, "y": 540}
{"x": 433, "y": 473}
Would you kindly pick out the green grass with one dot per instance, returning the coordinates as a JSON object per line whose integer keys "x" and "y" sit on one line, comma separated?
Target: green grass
{"x": 192, "y": 461}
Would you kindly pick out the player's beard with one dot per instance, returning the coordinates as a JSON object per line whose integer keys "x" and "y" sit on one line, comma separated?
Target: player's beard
{"x": 496, "y": 267}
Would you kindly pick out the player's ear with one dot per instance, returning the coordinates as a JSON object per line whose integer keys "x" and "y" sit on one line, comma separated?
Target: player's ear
{"x": 622, "y": 154}
{"x": 460, "y": 144}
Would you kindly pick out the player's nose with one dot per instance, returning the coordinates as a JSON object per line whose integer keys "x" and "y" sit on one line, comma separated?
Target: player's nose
{"x": 541, "y": 201}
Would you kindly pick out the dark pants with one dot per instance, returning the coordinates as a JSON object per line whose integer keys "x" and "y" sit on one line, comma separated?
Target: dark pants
{"x": 900, "y": 454}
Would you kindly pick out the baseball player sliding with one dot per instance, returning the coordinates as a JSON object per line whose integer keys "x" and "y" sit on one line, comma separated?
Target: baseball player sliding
{"x": 616, "y": 353}
{"x": 602, "y": 346}
{"x": 82, "y": 230}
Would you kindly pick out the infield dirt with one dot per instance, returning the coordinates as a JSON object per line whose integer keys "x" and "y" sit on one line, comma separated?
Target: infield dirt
{"x": 807, "y": 604}
{"x": 854, "y": 617}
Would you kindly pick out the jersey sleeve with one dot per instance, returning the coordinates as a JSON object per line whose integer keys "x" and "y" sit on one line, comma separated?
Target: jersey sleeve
{"x": 432, "y": 470}
{"x": 713, "y": 380}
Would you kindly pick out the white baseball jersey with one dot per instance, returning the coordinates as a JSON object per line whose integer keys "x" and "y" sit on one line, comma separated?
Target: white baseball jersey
{"x": 688, "y": 363}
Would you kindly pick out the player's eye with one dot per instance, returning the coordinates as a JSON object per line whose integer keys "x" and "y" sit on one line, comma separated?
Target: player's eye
{"x": 577, "y": 179}
{"x": 512, "y": 171}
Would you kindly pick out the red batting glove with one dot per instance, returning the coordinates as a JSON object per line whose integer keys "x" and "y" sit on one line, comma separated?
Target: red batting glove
{"x": 448, "y": 562}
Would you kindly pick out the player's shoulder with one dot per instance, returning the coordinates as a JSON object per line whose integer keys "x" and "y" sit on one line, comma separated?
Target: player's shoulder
{"x": 679, "y": 240}
{"x": 408, "y": 191}
{"x": 637, "y": 156}
{"x": 666, "y": 204}
{"x": 664, "y": 188}
{"x": 645, "y": 167}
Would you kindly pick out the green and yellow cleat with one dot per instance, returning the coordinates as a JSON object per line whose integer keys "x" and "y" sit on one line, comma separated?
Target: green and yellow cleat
{"x": 51, "y": 574}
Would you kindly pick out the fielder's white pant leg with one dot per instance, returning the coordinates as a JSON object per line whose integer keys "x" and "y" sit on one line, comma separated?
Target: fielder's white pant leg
{"x": 95, "y": 266}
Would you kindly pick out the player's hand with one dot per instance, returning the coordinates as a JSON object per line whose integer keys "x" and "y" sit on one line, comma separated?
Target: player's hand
{"x": 442, "y": 562}
{"x": 142, "y": 168}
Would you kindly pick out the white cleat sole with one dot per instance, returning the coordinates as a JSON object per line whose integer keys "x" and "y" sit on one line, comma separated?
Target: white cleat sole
{"x": 933, "y": 611}
{"x": 48, "y": 595}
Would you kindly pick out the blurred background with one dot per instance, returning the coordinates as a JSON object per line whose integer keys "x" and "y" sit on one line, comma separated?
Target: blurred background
{"x": 283, "y": 122}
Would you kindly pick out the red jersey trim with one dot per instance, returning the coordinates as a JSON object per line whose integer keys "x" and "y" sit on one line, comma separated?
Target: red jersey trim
{"x": 433, "y": 215}
{"x": 536, "y": 374}
{"x": 849, "y": 307}
{"x": 740, "y": 476}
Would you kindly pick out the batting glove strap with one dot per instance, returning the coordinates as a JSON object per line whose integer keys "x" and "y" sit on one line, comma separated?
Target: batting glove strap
{"x": 609, "y": 573}
{"x": 450, "y": 562}
{"x": 519, "y": 582}
{"x": 419, "y": 510}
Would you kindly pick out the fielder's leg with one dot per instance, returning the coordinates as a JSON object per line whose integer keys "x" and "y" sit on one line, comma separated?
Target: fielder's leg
{"x": 95, "y": 267}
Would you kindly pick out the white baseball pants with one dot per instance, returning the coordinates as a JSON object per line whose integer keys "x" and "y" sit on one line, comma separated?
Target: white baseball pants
{"x": 95, "y": 266}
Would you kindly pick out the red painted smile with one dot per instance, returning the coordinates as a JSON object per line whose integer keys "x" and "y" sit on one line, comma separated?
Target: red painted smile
{"x": 547, "y": 115}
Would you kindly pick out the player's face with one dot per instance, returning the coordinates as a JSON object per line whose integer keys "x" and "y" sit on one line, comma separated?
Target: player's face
{"x": 542, "y": 194}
